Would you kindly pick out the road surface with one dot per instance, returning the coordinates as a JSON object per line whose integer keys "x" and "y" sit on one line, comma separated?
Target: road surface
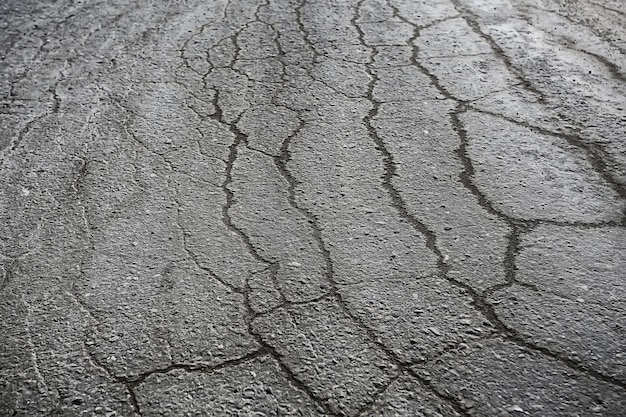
{"x": 313, "y": 208}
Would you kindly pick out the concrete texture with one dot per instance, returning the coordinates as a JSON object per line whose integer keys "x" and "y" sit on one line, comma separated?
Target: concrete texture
{"x": 313, "y": 208}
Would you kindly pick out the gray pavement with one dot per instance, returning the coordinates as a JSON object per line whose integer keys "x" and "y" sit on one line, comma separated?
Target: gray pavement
{"x": 313, "y": 208}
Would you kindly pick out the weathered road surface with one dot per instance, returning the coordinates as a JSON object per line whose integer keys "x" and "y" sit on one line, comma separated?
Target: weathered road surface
{"x": 314, "y": 208}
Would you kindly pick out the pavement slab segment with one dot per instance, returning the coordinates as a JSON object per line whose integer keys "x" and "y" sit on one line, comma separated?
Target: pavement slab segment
{"x": 471, "y": 238}
{"x": 256, "y": 387}
{"x": 541, "y": 178}
{"x": 541, "y": 54}
{"x": 405, "y": 397}
{"x": 280, "y": 231}
{"x": 479, "y": 378}
{"x": 417, "y": 319}
{"x": 570, "y": 299}
{"x": 328, "y": 352}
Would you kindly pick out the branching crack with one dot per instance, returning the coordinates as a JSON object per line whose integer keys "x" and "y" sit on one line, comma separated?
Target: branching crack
{"x": 517, "y": 227}
{"x": 475, "y": 26}
{"x": 596, "y": 155}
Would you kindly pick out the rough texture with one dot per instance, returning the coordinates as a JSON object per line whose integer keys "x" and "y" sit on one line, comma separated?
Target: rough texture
{"x": 295, "y": 207}
{"x": 479, "y": 378}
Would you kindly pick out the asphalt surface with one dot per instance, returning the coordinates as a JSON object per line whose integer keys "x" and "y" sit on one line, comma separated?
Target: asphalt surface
{"x": 313, "y": 208}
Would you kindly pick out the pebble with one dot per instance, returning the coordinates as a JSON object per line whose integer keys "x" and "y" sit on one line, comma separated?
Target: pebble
{"x": 515, "y": 408}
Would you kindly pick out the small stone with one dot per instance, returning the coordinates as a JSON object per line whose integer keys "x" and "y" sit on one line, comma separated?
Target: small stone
{"x": 435, "y": 331}
{"x": 468, "y": 403}
{"x": 515, "y": 408}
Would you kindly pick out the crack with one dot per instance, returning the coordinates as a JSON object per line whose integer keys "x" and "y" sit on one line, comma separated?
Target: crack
{"x": 281, "y": 162}
{"x": 607, "y": 8}
{"x": 497, "y": 50}
{"x": 517, "y": 227}
{"x": 517, "y": 338}
{"x": 329, "y": 57}
{"x": 56, "y": 101}
{"x": 130, "y": 393}
{"x": 76, "y": 191}
{"x": 511, "y": 252}
{"x": 580, "y": 22}
{"x": 240, "y": 139}
{"x": 76, "y": 188}
{"x": 261, "y": 151}
{"x": 271, "y": 266}
{"x": 236, "y": 47}
{"x": 390, "y": 167}
{"x": 284, "y": 304}
{"x": 306, "y": 36}
{"x": 117, "y": 379}
{"x": 563, "y": 296}
{"x": 378, "y": 394}
{"x": 492, "y": 93}
{"x": 272, "y": 351}
{"x": 446, "y": 396}
{"x": 132, "y": 382}
{"x": 58, "y": 23}
{"x": 594, "y": 152}
{"x": 191, "y": 255}
{"x": 398, "y": 204}
{"x": 478, "y": 54}
{"x": 222, "y": 42}
{"x": 325, "y": 84}
{"x": 613, "y": 69}
{"x": 431, "y": 24}
{"x": 137, "y": 380}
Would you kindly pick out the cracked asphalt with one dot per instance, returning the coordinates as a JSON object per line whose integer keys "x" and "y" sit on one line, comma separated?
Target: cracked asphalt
{"x": 313, "y": 208}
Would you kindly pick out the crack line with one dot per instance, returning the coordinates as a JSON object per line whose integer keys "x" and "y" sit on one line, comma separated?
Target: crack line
{"x": 517, "y": 227}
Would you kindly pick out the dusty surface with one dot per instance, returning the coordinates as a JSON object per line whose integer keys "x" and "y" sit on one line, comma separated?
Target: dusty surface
{"x": 314, "y": 208}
